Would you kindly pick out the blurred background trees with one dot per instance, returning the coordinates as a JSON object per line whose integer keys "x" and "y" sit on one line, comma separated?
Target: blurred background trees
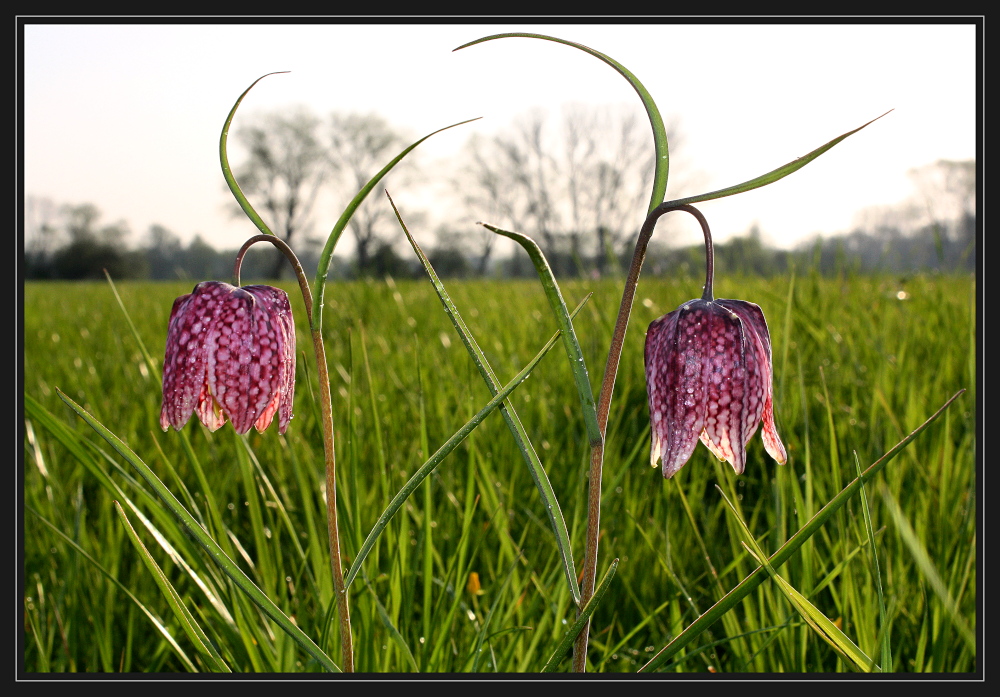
{"x": 577, "y": 182}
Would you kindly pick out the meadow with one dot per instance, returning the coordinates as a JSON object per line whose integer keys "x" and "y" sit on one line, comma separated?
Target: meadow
{"x": 467, "y": 576}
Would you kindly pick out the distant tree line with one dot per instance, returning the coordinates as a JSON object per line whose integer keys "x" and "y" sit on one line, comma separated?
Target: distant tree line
{"x": 572, "y": 183}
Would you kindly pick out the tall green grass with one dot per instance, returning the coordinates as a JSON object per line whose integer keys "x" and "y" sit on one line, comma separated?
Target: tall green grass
{"x": 858, "y": 361}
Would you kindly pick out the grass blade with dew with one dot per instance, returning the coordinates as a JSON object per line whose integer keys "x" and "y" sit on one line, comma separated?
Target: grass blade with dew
{"x": 661, "y": 147}
{"x": 574, "y": 354}
{"x": 821, "y": 624}
{"x": 477, "y": 652}
{"x": 425, "y": 469}
{"x": 517, "y": 429}
{"x": 729, "y": 601}
{"x": 204, "y": 539}
{"x": 188, "y": 623}
{"x": 569, "y": 637}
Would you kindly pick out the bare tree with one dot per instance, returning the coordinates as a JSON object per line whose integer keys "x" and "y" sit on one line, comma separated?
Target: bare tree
{"x": 361, "y": 145}
{"x": 946, "y": 190}
{"x": 577, "y": 185}
{"x": 284, "y": 171}
{"x": 41, "y": 227}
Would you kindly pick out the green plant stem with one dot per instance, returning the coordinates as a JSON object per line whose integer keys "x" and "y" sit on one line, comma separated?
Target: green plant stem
{"x": 326, "y": 408}
{"x": 604, "y": 407}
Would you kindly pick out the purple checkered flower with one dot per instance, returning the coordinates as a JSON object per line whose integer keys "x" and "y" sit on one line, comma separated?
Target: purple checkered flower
{"x": 708, "y": 376}
{"x": 230, "y": 354}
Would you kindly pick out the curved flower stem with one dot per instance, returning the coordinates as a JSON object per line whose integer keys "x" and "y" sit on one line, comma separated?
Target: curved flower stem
{"x": 326, "y": 407}
{"x": 604, "y": 405}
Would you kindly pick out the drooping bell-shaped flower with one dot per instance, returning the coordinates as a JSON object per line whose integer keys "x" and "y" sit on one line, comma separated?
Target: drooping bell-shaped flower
{"x": 230, "y": 354}
{"x": 708, "y": 377}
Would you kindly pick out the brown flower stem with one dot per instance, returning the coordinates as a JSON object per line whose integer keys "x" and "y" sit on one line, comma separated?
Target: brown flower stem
{"x": 604, "y": 405}
{"x": 326, "y": 403}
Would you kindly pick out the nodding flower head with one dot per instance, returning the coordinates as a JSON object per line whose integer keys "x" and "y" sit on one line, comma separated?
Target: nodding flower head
{"x": 708, "y": 376}
{"x": 230, "y": 355}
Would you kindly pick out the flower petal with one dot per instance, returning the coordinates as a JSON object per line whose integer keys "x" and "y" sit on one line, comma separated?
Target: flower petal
{"x": 230, "y": 347}
{"x": 274, "y": 369}
{"x": 727, "y": 356}
{"x": 184, "y": 363}
{"x": 675, "y": 384}
{"x": 762, "y": 381}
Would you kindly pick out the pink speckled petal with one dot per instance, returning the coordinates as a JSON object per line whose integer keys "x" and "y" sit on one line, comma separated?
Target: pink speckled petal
{"x": 762, "y": 406}
{"x": 675, "y": 384}
{"x": 230, "y": 355}
{"x": 725, "y": 355}
{"x": 184, "y": 363}
{"x": 229, "y": 347}
{"x": 275, "y": 364}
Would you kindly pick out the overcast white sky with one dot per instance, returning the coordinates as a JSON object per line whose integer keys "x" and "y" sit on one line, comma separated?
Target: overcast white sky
{"x": 128, "y": 116}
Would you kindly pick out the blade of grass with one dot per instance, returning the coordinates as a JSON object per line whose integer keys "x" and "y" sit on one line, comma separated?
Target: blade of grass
{"x": 425, "y": 469}
{"x": 927, "y": 568}
{"x": 726, "y": 603}
{"x": 574, "y": 354}
{"x": 770, "y": 177}
{"x": 886, "y": 656}
{"x": 477, "y": 652}
{"x": 390, "y": 627}
{"x": 517, "y": 429}
{"x": 326, "y": 255}
{"x": 228, "y": 566}
{"x": 660, "y": 145}
{"x": 569, "y": 637}
{"x": 188, "y": 623}
{"x": 820, "y": 623}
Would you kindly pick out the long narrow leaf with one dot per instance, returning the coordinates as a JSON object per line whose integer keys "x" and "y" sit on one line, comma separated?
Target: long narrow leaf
{"x": 574, "y": 354}
{"x": 510, "y": 416}
{"x": 204, "y": 539}
{"x": 326, "y": 256}
{"x": 570, "y": 636}
{"x": 188, "y": 623}
{"x": 727, "y": 602}
{"x": 662, "y": 169}
{"x": 770, "y": 177}
{"x": 224, "y": 160}
{"x": 425, "y": 469}
{"x": 160, "y": 627}
{"x": 821, "y": 624}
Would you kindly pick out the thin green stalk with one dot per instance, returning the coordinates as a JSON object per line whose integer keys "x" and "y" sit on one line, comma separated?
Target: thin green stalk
{"x": 604, "y": 408}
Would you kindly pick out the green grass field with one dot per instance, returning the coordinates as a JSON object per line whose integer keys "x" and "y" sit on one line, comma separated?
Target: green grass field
{"x": 859, "y": 362}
